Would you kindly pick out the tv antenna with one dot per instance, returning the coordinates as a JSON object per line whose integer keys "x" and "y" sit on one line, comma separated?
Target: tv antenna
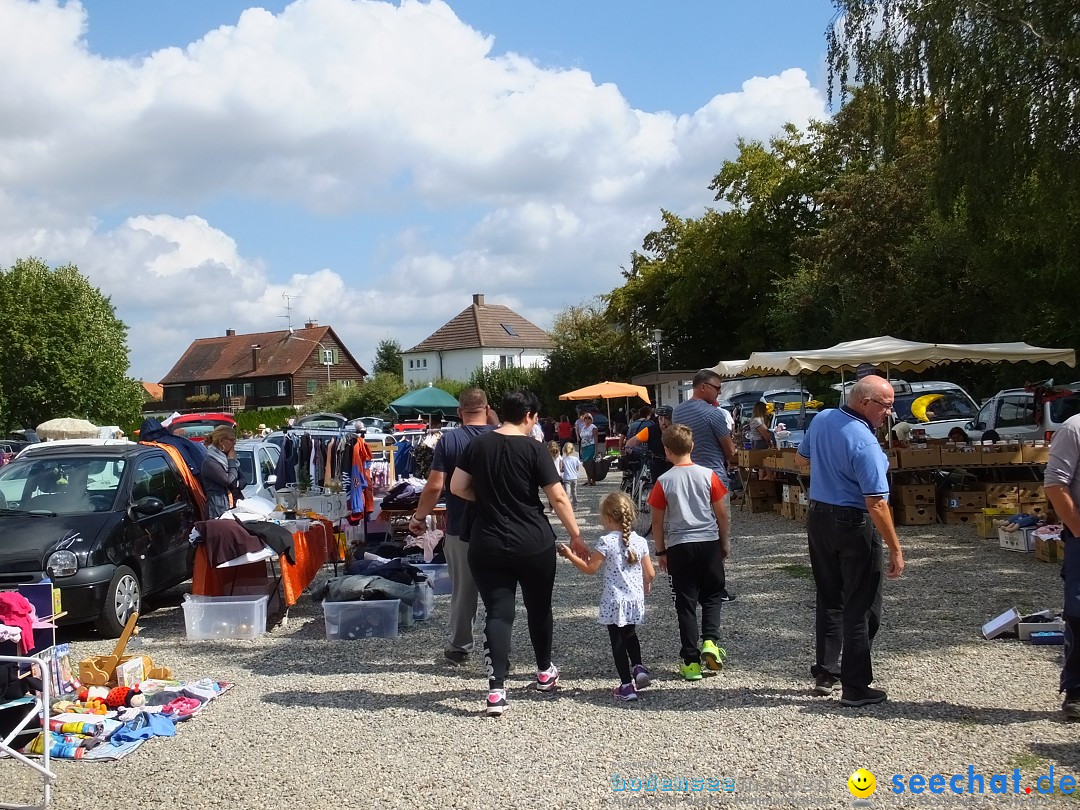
{"x": 288, "y": 308}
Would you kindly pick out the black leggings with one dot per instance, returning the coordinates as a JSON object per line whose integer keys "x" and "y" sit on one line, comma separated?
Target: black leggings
{"x": 497, "y": 578}
{"x": 626, "y": 649}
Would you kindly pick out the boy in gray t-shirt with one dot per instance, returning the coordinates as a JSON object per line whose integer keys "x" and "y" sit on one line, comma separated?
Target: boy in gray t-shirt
{"x": 689, "y": 527}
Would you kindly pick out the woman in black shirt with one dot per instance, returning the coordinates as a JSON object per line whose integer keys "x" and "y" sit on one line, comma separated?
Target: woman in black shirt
{"x": 511, "y": 542}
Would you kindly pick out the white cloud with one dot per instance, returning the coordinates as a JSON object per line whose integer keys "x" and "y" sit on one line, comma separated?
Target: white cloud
{"x": 341, "y": 107}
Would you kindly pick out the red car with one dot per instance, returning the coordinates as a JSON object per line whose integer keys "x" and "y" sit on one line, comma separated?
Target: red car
{"x": 197, "y": 426}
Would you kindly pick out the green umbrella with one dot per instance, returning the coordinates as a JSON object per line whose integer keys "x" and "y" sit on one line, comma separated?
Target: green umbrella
{"x": 424, "y": 401}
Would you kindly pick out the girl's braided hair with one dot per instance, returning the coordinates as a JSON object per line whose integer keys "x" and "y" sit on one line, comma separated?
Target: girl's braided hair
{"x": 618, "y": 507}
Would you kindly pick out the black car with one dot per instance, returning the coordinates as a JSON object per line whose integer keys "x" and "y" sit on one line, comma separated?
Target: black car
{"x": 108, "y": 524}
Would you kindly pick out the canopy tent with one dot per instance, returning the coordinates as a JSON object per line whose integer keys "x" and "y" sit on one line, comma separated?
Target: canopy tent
{"x": 67, "y": 428}
{"x": 899, "y": 355}
{"x": 424, "y": 401}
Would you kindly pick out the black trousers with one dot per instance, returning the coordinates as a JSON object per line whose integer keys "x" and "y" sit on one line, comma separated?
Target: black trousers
{"x": 697, "y": 578}
{"x": 847, "y": 557}
{"x": 497, "y": 578}
{"x": 626, "y": 648}
{"x": 1070, "y": 575}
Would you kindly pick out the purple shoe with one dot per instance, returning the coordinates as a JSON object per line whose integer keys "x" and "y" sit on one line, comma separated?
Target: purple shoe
{"x": 642, "y": 678}
{"x": 626, "y": 691}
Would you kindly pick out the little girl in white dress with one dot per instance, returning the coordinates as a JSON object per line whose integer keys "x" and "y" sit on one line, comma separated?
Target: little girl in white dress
{"x": 622, "y": 558}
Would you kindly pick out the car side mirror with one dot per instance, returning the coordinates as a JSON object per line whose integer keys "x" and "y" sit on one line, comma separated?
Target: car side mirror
{"x": 147, "y": 506}
{"x": 271, "y": 480}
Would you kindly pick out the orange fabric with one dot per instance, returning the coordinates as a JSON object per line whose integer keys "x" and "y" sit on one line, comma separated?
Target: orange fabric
{"x": 361, "y": 458}
{"x": 192, "y": 482}
{"x": 309, "y": 549}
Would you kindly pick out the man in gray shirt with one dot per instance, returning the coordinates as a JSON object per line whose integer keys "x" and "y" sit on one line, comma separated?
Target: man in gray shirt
{"x": 1062, "y": 483}
{"x": 713, "y": 447}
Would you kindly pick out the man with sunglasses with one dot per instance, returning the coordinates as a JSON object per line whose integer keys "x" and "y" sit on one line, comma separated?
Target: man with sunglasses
{"x": 849, "y": 515}
{"x": 713, "y": 446}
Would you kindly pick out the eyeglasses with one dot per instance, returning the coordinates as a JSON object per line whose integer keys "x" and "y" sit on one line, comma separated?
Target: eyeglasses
{"x": 714, "y": 386}
{"x": 888, "y": 406}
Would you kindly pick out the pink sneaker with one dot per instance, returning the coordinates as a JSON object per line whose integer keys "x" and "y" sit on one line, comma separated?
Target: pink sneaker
{"x": 547, "y": 680}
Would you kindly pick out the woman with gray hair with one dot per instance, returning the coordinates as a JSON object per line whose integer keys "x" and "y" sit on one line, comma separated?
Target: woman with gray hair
{"x": 221, "y": 476}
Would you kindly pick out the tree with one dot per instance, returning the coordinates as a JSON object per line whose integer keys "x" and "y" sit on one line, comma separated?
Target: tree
{"x": 377, "y": 393}
{"x": 498, "y": 382}
{"x": 65, "y": 351}
{"x": 388, "y": 358}
{"x": 589, "y": 348}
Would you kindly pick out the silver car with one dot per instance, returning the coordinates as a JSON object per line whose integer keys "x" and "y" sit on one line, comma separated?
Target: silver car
{"x": 258, "y": 459}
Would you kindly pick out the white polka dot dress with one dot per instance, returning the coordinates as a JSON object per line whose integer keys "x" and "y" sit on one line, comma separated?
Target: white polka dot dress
{"x": 622, "y": 600}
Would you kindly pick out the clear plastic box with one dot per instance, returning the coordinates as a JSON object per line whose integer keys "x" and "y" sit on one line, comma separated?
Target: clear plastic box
{"x": 425, "y": 601}
{"x": 439, "y": 576}
{"x": 377, "y": 618}
{"x": 214, "y": 617}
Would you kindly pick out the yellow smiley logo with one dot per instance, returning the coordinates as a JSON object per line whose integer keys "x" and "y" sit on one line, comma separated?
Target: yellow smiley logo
{"x": 862, "y": 784}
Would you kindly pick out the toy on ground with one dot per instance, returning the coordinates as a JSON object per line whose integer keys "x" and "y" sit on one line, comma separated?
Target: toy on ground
{"x": 124, "y": 696}
{"x": 100, "y": 670}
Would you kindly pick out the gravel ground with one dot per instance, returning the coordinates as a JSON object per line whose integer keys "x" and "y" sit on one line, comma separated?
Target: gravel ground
{"x": 382, "y": 723}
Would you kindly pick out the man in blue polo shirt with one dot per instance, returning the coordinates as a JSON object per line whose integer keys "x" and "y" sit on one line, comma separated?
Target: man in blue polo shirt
{"x": 849, "y": 516}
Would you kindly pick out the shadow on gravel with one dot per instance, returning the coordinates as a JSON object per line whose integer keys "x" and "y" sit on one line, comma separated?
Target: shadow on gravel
{"x": 432, "y": 702}
{"x": 1065, "y": 754}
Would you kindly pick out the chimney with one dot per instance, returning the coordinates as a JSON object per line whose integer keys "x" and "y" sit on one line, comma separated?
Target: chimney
{"x": 478, "y": 299}
{"x": 255, "y": 357}
{"x": 311, "y": 324}
{"x": 230, "y": 333}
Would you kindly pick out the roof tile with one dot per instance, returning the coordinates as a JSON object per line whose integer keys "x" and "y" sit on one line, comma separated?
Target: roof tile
{"x": 481, "y": 325}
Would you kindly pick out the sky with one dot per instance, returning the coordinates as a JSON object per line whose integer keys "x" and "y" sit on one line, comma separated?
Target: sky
{"x": 215, "y": 164}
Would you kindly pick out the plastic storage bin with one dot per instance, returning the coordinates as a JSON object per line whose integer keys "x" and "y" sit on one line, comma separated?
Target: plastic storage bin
{"x": 425, "y": 601}
{"x": 439, "y": 577}
{"x": 214, "y": 617}
{"x": 377, "y": 618}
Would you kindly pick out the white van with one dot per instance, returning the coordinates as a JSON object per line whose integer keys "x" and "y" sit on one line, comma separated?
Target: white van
{"x": 934, "y": 405}
{"x": 1011, "y": 413}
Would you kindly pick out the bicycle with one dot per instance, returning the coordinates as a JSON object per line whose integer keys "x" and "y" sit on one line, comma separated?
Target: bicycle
{"x": 637, "y": 483}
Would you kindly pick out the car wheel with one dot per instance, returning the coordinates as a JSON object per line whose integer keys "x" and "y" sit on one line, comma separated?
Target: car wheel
{"x": 123, "y": 597}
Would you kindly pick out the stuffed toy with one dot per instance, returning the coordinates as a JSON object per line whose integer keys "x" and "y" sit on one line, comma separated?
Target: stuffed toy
{"x": 124, "y": 696}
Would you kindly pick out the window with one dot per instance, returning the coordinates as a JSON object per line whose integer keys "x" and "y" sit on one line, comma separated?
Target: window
{"x": 311, "y": 386}
{"x": 249, "y": 389}
{"x": 506, "y": 361}
{"x": 230, "y": 390}
{"x": 204, "y": 390}
{"x": 1016, "y": 412}
{"x": 345, "y": 383}
{"x": 328, "y": 357}
{"x": 411, "y": 363}
{"x": 509, "y": 329}
{"x": 267, "y": 461}
{"x": 155, "y": 478}
{"x": 282, "y": 388}
{"x": 424, "y": 361}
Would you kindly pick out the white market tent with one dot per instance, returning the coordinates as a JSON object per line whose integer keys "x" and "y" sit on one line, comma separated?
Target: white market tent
{"x": 893, "y": 354}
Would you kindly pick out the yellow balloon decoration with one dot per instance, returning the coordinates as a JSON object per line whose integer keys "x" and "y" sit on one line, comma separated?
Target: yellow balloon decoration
{"x": 919, "y": 406}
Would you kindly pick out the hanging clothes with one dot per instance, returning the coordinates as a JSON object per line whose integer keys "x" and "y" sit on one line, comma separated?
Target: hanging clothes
{"x": 361, "y": 498}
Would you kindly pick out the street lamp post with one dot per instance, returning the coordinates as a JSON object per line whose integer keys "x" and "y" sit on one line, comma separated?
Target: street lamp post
{"x": 656, "y": 336}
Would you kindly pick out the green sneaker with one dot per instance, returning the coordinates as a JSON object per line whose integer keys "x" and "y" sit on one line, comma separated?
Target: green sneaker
{"x": 691, "y": 672}
{"x": 714, "y": 656}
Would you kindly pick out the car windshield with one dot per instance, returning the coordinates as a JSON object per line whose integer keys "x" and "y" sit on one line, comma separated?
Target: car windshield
{"x": 195, "y": 430}
{"x": 62, "y": 486}
{"x": 1063, "y": 408}
{"x": 793, "y": 420}
{"x": 920, "y": 407}
{"x": 247, "y": 465}
{"x": 328, "y": 422}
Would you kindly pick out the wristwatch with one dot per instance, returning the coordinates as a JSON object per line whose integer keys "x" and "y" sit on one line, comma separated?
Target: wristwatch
{"x": 661, "y": 552}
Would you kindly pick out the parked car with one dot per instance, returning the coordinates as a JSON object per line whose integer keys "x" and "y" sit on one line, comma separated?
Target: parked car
{"x": 109, "y": 524}
{"x": 933, "y": 405}
{"x": 789, "y": 427}
{"x": 330, "y": 421}
{"x": 1011, "y": 413}
{"x": 197, "y": 426}
{"x": 258, "y": 459}
{"x": 374, "y": 424}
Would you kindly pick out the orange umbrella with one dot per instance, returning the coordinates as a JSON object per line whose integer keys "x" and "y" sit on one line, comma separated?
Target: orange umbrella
{"x": 609, "y": 390}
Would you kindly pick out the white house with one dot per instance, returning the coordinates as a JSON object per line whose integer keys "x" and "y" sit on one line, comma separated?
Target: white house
{"x": 480, "y": 335}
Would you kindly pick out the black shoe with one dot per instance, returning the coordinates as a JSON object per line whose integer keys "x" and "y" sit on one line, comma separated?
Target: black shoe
{"x": 1071, "y": 705}
{"x": 726, "y": 597}
{"x": 456, "y": 657}
{"x": 825, "y": 685}
{"x": 865, "y": 696}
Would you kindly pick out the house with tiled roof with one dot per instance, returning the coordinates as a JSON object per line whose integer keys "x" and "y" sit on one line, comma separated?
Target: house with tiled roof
{"x": 479, "y": 336}
{"x": 259, "y": 370}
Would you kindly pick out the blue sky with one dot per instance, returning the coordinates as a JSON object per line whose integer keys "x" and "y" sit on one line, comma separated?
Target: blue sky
{"x": 383, "y": 161}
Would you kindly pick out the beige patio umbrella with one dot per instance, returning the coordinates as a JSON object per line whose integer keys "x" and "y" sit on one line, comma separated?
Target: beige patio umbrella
{"x": 67, "y": 428}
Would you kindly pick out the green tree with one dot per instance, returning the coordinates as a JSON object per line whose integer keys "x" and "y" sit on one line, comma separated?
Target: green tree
{"x": 590, "y": 347}
{"x": 388, "y": 358}
{"x": 498, "y": 382}
{"x": 65, "y": 351}
{"x": 378, "y": 392}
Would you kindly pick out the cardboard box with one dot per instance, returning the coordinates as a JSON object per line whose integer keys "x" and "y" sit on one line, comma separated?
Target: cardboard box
{"x": 1021, "y": 540}
{"x": 1040, "y": 509}
{"x": 130, "y": 673}
{"x": 1050, "y": 550}
{"x": 1031, "y": 493}
{"x": 914, "y": 494}
{"x": 754, "y": 458}
{"x": 914, "y": 515}
{"x": 1025, "y": 629}
{"x": 760, "y": 505}
{"x": 1001, "y": 624}
{"x": 961, "y": 457}
{"x": 929, "y": 457}
{"x": 801, "y": 512}
{"x": 961, "y": 518}
{"x": 1007, "y": 495}
{"x": 787, "y": 510}
{"x": 778, "y": 507}
{"x": 760, "y": 489}
{"x": 1035, "y": 453}
{"x": 1002, "y": 454}
{"x": 984, "y": 526}
{"x": 893, "y": 459}
{"x": 965, "y": 500}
